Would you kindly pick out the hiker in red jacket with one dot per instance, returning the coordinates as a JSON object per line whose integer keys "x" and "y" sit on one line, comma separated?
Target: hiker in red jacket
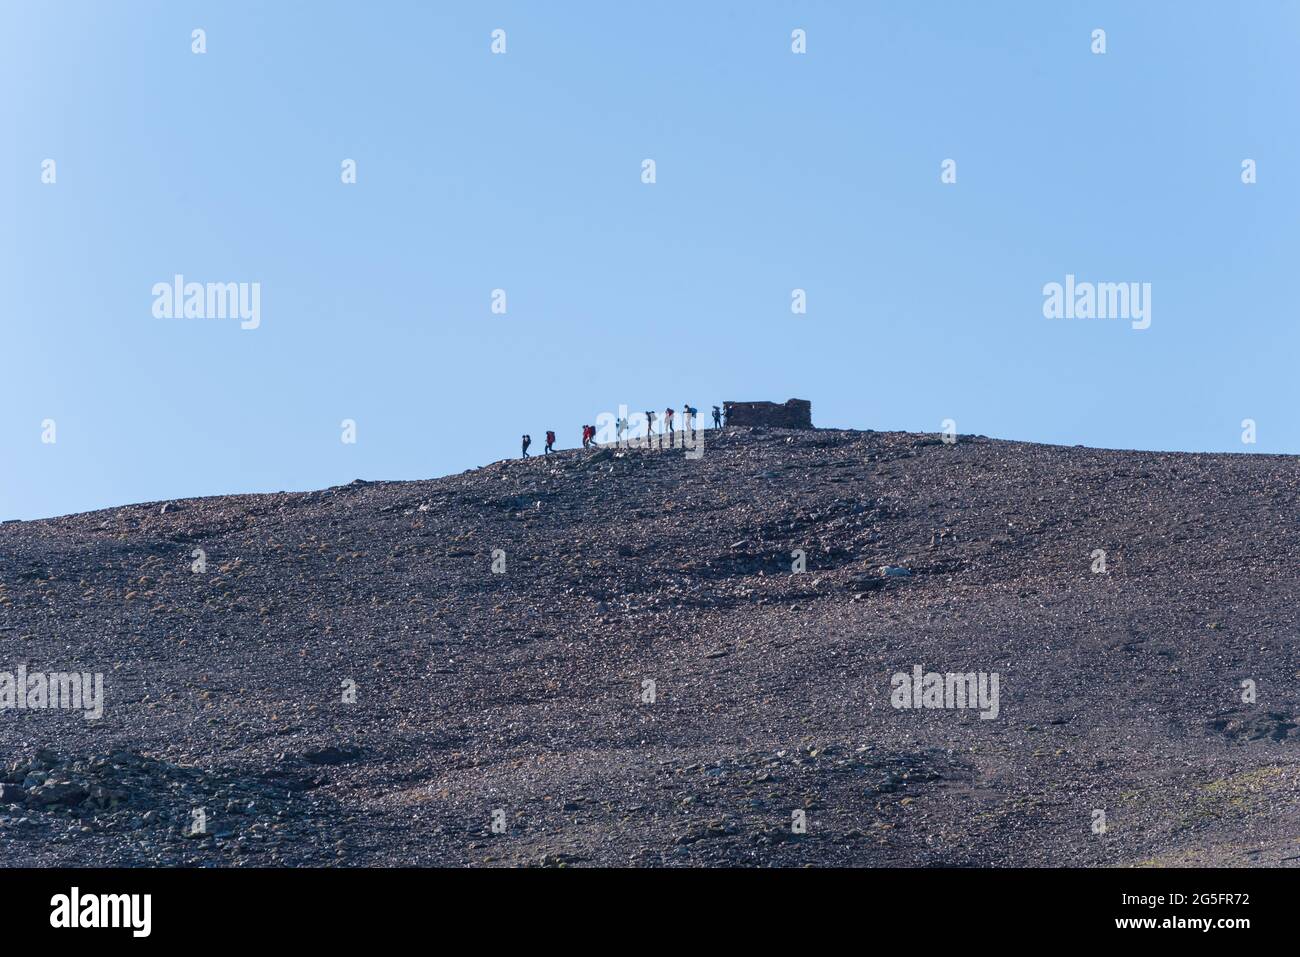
{"x": 586, "y": 436}
{"x": 550, "y": 442}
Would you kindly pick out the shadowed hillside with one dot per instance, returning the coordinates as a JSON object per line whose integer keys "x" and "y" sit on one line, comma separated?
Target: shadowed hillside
{"x": 526, "y": 691}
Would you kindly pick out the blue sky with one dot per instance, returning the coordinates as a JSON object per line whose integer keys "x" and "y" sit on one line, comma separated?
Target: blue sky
{"x": 522, "y": 171}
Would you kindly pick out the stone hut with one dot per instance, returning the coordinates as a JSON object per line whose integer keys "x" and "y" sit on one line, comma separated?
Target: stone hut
{"x": 793, "y": 414}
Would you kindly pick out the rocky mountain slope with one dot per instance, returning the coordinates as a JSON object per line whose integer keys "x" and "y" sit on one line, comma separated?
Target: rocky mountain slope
{"x": 522, "y": 699}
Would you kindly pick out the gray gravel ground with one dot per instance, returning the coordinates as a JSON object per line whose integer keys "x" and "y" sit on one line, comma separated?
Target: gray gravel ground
{"x": 523, "y": 692}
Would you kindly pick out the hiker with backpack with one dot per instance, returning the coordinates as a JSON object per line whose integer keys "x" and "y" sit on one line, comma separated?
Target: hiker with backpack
{"x": 668, "y": 427}
{"x": 688, "y": 413}
{"x": 717, "y": 417}
{"x": 649, "y": 428}
{"x": 527, "y": 441}
{"x": 550, "y": 442}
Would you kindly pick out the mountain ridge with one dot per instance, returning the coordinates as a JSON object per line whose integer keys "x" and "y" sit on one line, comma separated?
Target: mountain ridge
{"x": 522, "y": 691}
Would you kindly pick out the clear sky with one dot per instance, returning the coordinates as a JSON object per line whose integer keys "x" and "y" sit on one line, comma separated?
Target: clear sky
{"x": 523, "y": 172}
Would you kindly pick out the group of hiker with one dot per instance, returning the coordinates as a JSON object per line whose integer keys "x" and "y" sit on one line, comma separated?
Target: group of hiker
{"x": 621, "y": 427}
{"x": 550, "y": 443}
